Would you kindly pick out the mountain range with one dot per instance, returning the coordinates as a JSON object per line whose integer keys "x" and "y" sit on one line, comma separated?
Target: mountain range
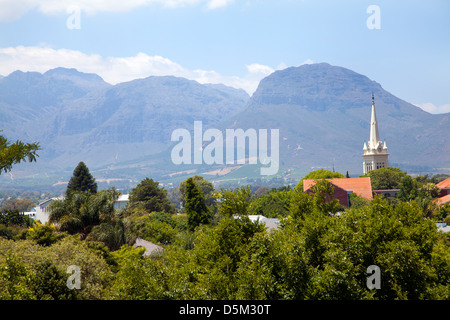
{"x": 323, "y": 113}
{"x": 124, "y": 131}
{"x": 78, "y": 117}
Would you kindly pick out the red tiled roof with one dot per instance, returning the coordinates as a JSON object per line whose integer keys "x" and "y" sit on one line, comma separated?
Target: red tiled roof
{"x": 360, "y": 186}
{"x": 445, "y": 184}
{"x": 442, "y": 200}
{"x": 340, "y": 194}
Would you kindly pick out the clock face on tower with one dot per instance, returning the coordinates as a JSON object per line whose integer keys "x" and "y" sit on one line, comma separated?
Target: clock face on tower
{"x": 379, "y": 149}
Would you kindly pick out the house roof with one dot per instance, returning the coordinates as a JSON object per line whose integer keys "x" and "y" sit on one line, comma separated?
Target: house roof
{"x": 442, "y": 200}
{"x": 50, "y": 200}
{"x": 360, "y": 186}
{"x": 149, "y": 246}
{"x": 270, "y": 223}
{"x": 310, "y": 183}
{"x": 444, "y": 184}
{"x": 45, "y": 201}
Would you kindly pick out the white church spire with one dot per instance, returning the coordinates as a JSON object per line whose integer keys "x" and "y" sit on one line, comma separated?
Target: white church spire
{"x": 375, "y": 153}
{"x": 374, "y": 135}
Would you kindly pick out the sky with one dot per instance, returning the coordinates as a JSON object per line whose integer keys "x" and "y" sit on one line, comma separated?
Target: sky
{"x": 404, "y": 45}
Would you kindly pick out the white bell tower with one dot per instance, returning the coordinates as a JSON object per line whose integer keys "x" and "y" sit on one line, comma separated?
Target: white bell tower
{"x": 375, "y": 151}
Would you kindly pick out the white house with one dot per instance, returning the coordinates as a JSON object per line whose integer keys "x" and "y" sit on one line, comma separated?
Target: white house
{"x": 31, "y": 213}
{"x": 42, "y": 211}
{"x": 121, "y": 201}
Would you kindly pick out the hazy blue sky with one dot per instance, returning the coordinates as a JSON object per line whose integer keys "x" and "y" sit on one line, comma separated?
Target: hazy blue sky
{"x": 234, "y": 42}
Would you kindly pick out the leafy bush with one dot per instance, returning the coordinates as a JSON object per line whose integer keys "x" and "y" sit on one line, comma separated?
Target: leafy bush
{"x": 14, "y": 217}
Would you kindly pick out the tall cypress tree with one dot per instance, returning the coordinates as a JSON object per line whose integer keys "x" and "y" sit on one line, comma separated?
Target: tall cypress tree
{"x": 82, "y": 180}
{"x": 195, "y": 205}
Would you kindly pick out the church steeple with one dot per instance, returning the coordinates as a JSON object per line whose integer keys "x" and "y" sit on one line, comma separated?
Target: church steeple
{"x": 375, "y": 152}
{"x": 374, "y": 135}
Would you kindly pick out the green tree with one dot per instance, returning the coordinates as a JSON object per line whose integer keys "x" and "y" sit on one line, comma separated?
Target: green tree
{"x": 8, "y": 232}
{"x": 323, "y": 198}
{"x": 13, "y": 153}
{"x": 400, "y": 240}
{"x": 95, "y": 270}
{"x": 206, "y": 188}
{"x": 80, "y": 212}
{"x": 385, "y": 178}
{"x": 49, "y": 283}
{"x": 149, "y": 196}
{"x": 429, "y": 190}
{"x": 110, "y": 232}
{"x": 320, "y": 200}
{"x": 195, "y": 205}
{"x": 318, "y": 174}
{"x": 300, "y": 206}
{"x": 152, "y": 228}
{"x": 421, "y": 180}
{"x": 357, "y": 201}
{"x": 22, "y": 205}
{"x": 31, "y": 271}
{"x": 254, "y": 276}
{"x": 274, "y": 204}
{"x": 44, "y": 235}
{"x": 408, "y": 189}
{"x": 219, "y": 251}
{"x": 15, "y": 277}
{"x": 139, "y": 278}
{"x": 442, "y": 213}
{"x": 234, "y": 202}
{"x": 14, "y": 217}
{"x": 81, "y": 180}
{"x": 439, "y": 177}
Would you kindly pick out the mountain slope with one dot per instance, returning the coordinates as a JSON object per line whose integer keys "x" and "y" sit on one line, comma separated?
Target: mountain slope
{"x": 27, "y": 99}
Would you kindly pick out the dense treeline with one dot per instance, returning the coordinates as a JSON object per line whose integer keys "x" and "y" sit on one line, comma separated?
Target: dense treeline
{"x": 212, "y": 250}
